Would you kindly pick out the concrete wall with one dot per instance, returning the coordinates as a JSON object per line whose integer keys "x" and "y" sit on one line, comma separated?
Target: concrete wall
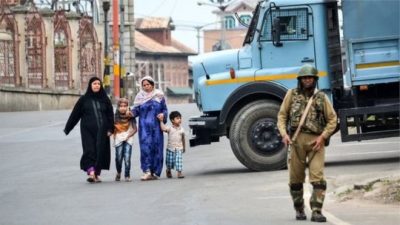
{"x": 19, "y": 99}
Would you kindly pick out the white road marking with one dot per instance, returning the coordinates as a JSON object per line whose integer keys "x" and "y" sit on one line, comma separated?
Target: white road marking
{"x": 329, "y": 216}
{"x": 334, "y": 220}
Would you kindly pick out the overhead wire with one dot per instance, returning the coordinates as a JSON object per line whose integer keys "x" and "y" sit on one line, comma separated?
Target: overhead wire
{"x": 173, "y": 8}
{"x": 158, "y": 7}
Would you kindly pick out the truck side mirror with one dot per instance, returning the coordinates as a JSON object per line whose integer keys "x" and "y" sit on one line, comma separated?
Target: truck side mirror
{"x": 276, "y": 32}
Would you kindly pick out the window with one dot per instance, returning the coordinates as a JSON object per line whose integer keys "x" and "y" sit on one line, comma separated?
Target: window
{"x": 229, "y": 22}
{"x": 293, "y": 24}
{"x": 35, "y": 51}
{"x": 245, "y": 18}
{"x": 89, "y": 62}
{"x": 60, "y": 39}
{"x": 287, "y": 25}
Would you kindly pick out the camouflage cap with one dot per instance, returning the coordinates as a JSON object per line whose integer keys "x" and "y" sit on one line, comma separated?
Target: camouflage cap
{"x": 306, "y": 71}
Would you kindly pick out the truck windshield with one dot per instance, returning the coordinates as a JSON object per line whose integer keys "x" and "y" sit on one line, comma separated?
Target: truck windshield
{"x": 253, "y": 26}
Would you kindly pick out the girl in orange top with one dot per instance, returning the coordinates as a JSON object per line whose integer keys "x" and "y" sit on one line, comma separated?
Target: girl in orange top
{"x": 125, "y": 128}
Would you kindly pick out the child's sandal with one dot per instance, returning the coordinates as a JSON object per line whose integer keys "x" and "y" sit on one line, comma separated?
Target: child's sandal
{"x": 180, "y": 175}
{"x": 169, "y": 174}
{"x": 118, "y": 177}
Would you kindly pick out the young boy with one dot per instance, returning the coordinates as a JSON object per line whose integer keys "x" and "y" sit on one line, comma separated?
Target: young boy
{"x": 176, "y": 143}
{"x": 125, "y": 128}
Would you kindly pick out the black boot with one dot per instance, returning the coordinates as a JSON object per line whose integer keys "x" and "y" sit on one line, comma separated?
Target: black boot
{"x": 318, "y": 217}
{"x": 300, "y": 215}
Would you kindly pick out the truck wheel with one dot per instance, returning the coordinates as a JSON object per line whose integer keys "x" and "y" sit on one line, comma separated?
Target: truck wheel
{"x": 255, "y": 139}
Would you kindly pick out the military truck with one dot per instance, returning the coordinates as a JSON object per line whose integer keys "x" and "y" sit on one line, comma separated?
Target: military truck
{"x": 239, "y": 91}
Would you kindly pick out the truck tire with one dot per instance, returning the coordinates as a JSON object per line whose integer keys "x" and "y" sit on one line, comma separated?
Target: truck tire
{"x": 255, "y": 139}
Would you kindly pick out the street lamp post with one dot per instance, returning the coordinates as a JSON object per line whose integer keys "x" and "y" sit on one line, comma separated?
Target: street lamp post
{"x": 116, "y": 46}
{"x": 222, "y": 5}
{"x": 198, "y": 28}
{"x": 198, "y": 38}
{"x": 106, "y": 78}
{"x": 121, "y": 51}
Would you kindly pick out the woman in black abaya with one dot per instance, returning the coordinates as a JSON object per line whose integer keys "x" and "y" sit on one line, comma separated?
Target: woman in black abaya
{"x": 95, "y": 111}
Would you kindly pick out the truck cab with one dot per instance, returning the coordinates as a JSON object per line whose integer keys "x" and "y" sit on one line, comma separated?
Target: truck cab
{"x": 240, "y": 91}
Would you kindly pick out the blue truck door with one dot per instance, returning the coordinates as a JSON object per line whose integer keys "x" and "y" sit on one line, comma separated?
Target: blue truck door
{"x": 282, "y": 62}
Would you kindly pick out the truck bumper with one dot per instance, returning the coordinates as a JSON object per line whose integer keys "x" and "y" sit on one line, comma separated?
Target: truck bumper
{"x": 205, "y": 130}
{"x": 383, "y": 123}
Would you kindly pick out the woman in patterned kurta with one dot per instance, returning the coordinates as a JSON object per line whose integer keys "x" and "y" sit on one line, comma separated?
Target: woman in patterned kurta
{"x": 149, "y": 103}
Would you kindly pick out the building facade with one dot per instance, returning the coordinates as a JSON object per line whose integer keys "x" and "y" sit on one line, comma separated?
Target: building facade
{"x": 231, "y": 32}
{"x": 163, "y": 58}
{"x": 46, "y": 56}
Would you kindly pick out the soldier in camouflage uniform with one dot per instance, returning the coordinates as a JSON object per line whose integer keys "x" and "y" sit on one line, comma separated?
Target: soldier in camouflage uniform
{"x": 320, "y": 123}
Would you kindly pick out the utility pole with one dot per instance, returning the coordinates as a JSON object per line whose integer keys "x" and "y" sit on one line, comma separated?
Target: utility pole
{"x": 222, "y": 5}
{"x": 198, "y": 28}
{"x": 198, "y": 38}
{"x": 222, "y": 28}
{"x": 116, "y": 49}
{"x": 106, "y": 78}
{"x": 131, "y": 80}
{"x": 121, "y": 51}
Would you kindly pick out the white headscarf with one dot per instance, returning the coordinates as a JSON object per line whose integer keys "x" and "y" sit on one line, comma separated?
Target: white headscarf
{"x": 143, "y": 96}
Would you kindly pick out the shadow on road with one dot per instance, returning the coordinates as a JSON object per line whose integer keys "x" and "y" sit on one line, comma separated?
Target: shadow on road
{"x": 363, "y": 161}
{"x": 224, "y": 171}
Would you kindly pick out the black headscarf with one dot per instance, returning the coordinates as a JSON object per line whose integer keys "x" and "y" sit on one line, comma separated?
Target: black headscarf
{"x": 101, "y": 95}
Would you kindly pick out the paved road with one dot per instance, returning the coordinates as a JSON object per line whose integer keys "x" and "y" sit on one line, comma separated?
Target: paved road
{"x": 40, "y": 182}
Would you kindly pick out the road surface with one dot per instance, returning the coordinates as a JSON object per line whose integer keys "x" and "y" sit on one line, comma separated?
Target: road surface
{"x": 41, "y": 182}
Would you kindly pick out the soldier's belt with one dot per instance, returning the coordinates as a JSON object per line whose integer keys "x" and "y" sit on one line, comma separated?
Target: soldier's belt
{"x": 307, "y": 131}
